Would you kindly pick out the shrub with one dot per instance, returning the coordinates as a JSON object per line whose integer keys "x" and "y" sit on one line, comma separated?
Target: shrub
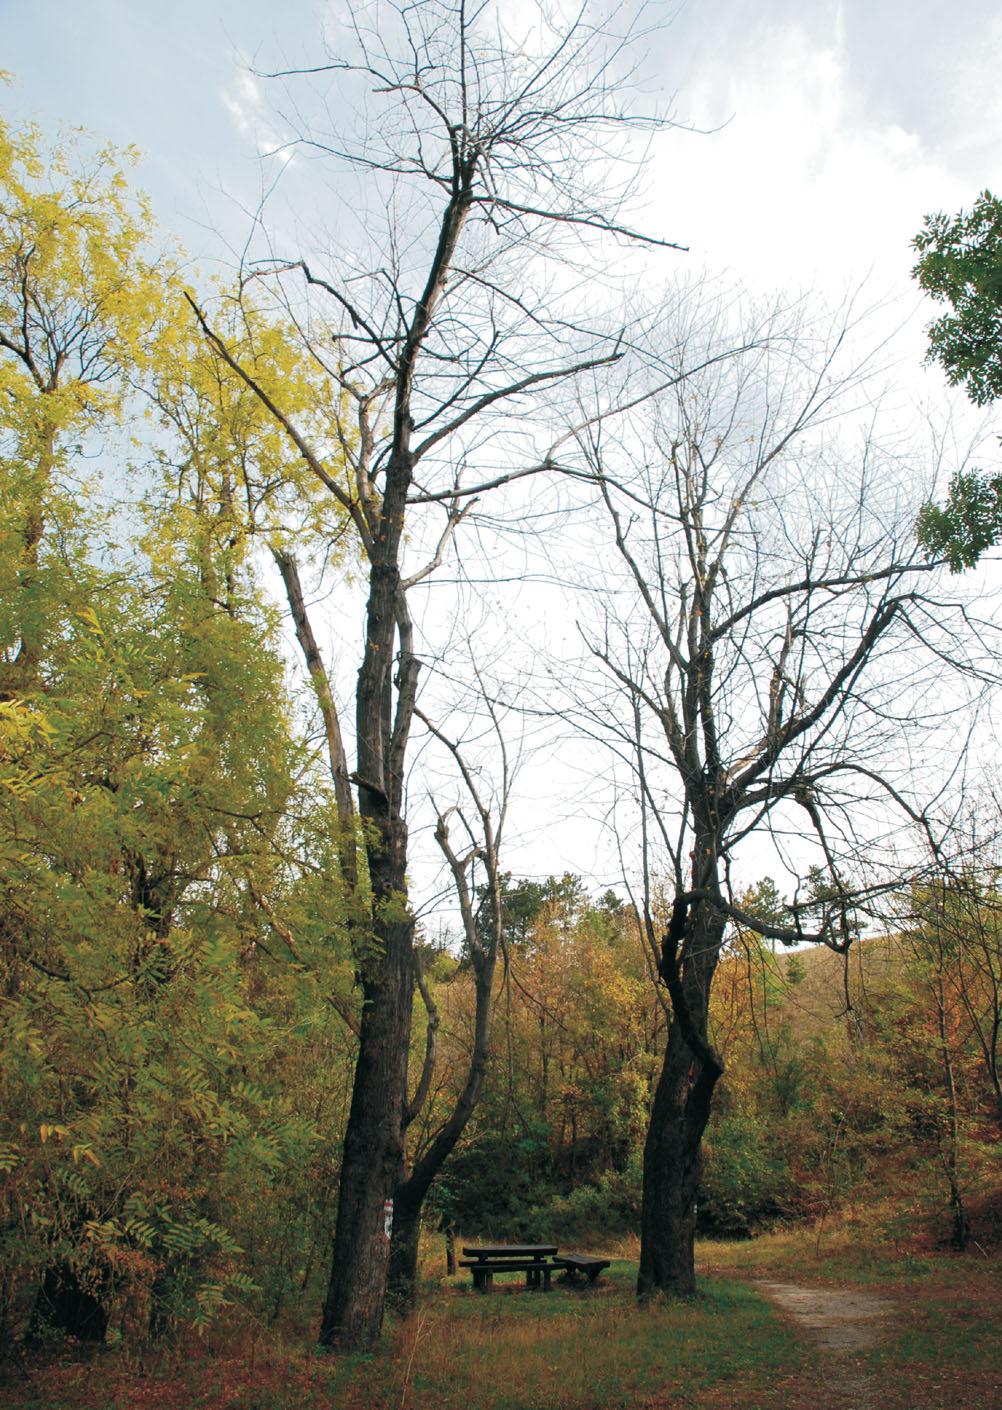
{"x": 746, "y": 1180}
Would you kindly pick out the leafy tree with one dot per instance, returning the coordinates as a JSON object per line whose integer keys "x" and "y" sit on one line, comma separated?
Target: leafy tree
{"x": 159, "y": 813}
{"x": 78, "y": 292}
{"x": 960, "y": 265}
{"x": 229, "y": 473}
{"x": 967, "y": 524}
{"x": 960, "y": 917}
{"x": 932, "y": 955}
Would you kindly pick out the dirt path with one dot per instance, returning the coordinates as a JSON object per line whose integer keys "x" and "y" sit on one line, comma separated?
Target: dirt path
{"x": 843, "y": 1323}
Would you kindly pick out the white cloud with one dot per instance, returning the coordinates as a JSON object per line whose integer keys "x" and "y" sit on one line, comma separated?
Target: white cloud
{"x": 251, "y": 114}
{"x": 802, "y": 184}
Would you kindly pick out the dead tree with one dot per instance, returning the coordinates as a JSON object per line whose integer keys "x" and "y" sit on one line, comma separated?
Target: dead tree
{"x": 491, "y": 157}
{"x": 772, "y": 650}
{"x": 480, "y": 907}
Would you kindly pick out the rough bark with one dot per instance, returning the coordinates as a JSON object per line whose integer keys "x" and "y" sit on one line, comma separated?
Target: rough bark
{"x": 373, "y": 1146}
{"x": 408, "y": 1203}
{"x": 673, "y": 1160}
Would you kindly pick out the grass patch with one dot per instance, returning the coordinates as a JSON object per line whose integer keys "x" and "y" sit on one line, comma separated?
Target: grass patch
{"x": 572, "y": 1349}
{"x": 955, "y": 1323}
{"x": 576, "y": 1349}
{"x": 593, "y": 1347}
{"x": 942, "y": 1352}
{"x": 939, "y": 1349}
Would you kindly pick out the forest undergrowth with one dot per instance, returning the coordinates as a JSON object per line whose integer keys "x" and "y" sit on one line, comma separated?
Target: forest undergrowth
{"x": 582, "y": 1348}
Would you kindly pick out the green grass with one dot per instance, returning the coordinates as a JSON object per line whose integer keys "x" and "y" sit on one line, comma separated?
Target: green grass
{"x": 955, "y": 1322}
{"x": 576, "y": 1349}
{"x": 592, "y": 1348}
{"x": 939, "y": 1349}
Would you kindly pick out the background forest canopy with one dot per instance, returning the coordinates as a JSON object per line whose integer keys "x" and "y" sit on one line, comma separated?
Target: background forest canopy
{"x": 209, "y": 928}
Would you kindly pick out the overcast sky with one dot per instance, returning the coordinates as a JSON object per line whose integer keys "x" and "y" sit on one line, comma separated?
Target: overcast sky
{"x": 839, "y": 125}
{"x": 827, "y": 131}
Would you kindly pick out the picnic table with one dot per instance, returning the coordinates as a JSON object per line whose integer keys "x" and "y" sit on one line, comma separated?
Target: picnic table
{"x": 529, "y": 1259}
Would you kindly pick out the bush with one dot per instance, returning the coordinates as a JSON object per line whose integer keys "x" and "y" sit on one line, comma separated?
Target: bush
{"x": 611, "y": 1206}
{"x": 494, "y": 1187}
{"x": 746, "y": 1179}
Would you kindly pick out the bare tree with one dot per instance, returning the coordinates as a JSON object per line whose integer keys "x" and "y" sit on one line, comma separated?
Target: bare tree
{"x": 470, "y": 846}
{"x": 957, "y": 915}
{"x": 763, "y": 668}
{"x": 491, "y": 161}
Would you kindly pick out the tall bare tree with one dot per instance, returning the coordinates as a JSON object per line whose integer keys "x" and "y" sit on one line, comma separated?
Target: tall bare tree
{"x": 491, "y": 160}
{"x": 771, "y": 637}
{"x": 469, "y": 835}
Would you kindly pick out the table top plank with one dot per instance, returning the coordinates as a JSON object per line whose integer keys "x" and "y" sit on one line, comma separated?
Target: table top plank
{"x": 488, "y": 1251}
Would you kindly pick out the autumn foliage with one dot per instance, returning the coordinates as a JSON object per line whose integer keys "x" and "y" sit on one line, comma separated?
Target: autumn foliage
{"x": 177, "y": 1013}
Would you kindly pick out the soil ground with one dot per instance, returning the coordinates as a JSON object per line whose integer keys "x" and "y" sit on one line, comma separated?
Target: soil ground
{"x": 842, "y": 1323}
{"x": 906, "y": 1326}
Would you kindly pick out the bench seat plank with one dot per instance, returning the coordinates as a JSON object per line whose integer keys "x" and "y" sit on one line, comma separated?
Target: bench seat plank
{"x": 484, "y": 1252}
{"x": 506, "y": 1266}
{"x": 537, "y": 1271}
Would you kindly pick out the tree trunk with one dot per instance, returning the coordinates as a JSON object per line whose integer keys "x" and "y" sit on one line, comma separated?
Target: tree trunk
{"x": 373, "y": 1143}
{"x": 404, "y": 1244}
{"x": 412, "y": 1190}
{"x": 960, "y": 1231}
{"x": 483, "y": 952}
{"x": 373, "y": 1149}
{"x": 673, "y": 1158}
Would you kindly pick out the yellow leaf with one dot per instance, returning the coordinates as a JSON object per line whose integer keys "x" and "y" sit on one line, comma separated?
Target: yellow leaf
{"x": 88, "y": 616}
{"x": 47, "y": 1129}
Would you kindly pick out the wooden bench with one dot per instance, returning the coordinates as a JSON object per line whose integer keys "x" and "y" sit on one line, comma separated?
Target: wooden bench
{"x": 483, "y": 1272}
{"x": 529, "y": 1259}
{"x": 575, "y": 1264}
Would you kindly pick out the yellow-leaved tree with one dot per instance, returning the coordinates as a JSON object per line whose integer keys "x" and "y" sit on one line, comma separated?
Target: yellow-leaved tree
{"x": 171, "y": 927}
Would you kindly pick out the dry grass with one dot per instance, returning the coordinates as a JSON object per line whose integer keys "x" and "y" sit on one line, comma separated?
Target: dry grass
{"x": 594, "y": 1348}
{"x": 898, "y": 1238}
{"x": 573, "y": 1349}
